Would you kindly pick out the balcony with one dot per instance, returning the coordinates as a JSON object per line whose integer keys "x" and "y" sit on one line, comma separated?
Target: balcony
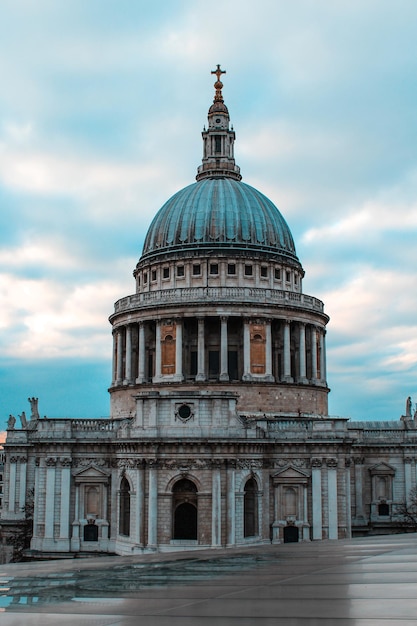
{"x": 218, "y": 295}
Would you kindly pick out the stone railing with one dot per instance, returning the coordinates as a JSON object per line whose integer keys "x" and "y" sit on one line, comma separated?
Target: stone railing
{"x": 235, "y": 295}
{"x": 68, "y": 428}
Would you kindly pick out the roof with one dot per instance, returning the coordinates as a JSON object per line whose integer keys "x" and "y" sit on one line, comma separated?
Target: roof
{"x": 219, "y": 212}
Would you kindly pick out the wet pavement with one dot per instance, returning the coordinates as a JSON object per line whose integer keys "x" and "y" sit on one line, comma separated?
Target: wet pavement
{"x": 363, "y": 582}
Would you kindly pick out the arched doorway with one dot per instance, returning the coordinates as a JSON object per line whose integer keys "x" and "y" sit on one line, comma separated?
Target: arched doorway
{"x": 250, "y": 509}
{"x": 184, "y": 504}
{"x": 290, "y": 534}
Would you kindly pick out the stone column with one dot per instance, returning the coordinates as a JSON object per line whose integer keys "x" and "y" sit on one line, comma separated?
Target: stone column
{"x": 65, "y": 498}
{"x": 302, "y": 348}
{"x": 332, "y": 497}
{"x": 317, "y": 499}
{"x": 323, "y": 356}
{"x": 152, "y": 504}
{"x": 246, "y": 351}
{"x": 128, "y": 356}
{"x": 216, "y": 513}
{"x": 178, "y": 351}
{"x": 268, "y": 352}
{"x": 287, "y": 353}
{"x": 348, "y": 500}
{"x": 313, "y": 353}
{"x": 276, "y": 528}
{"x": 36, "y": 501}
{"x": 359, "y": 515}
{"x": 231, "y": 503}
{"x": 114, "y": 364}
{"x": 75, "y": 537}
{"x": 22, "y": 482}
{"x": 141, "y": 354}
{"x": 50, "y": 498}
{"x": 224, "y": 369}
{"x": 306, "y": 525}
{"x": 12, "y": 483}
{"x": 140, "y": 504}
{"x": 201, "y": 357}
{"x": 407, "y": 479}
{"x": 157, "y": 376}
{"x": 119, "y": 366}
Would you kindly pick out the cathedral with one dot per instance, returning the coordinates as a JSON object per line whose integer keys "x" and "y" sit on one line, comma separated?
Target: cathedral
{"x": 219, "y": 433}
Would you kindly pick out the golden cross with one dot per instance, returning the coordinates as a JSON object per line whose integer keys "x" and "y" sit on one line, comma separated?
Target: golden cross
{"x": 218, "y": 72}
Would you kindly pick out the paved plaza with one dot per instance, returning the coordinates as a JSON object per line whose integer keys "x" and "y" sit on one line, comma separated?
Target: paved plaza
{"x": 362, "y": 582}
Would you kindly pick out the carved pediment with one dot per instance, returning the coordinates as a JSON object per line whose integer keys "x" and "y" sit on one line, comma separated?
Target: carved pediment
{"x": 292, "y": 474}
{"x": 382, "y": 469}
{"x": 91, "y": 474}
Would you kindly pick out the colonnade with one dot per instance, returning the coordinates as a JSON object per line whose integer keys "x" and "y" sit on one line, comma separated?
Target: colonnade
{"x": 267, "y": 350}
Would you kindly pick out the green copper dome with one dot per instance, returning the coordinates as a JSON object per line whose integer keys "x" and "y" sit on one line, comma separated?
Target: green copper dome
{"x": 219, "y": 213}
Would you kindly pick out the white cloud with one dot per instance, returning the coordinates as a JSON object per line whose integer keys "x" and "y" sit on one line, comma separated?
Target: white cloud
{"x": 46, "y": 319}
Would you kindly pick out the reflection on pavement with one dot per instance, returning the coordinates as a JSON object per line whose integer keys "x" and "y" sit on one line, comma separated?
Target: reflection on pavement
{"x": 87, "y": 585}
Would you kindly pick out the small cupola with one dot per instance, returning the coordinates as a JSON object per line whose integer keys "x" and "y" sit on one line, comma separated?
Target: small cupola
{"x": 218, "y": 139}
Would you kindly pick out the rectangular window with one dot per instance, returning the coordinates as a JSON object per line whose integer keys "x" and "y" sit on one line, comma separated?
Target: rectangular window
{"x": 231, "y": 269}
{"x": 180, "y": 270}
{"x": 277, "y": 273}
{"x": 264, "y": 272}
{"x": 217, "y": 143}
{"x": 153, "y": 275}
{"x": 193, "y": 363}
{"x": 248, "y": 270}
{"x": 165, "y": 272}
{"x": 296, "y": 279}
{"x": 145, "y": 278}
{"x": 214, "y": 363}
{"x": 288, "y": 277}
{"x": 196, "y": 269}
{"x": 214, "y": 268}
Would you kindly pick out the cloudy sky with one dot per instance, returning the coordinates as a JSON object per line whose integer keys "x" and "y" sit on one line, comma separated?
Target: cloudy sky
{"x": 102, "y": 106}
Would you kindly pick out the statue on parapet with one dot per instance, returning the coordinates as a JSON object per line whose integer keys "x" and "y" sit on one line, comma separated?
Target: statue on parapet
{"x": 11, "y": 422}
{"x": 408, "y": 407}
{"x": 23, "y": 420}
{"x": 34, "y": 408}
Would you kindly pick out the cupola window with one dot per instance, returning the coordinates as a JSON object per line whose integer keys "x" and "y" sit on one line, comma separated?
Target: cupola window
{"x": 214, "y": 269}
{"x": 231, "y": 269}
{"x": 196, "y": 269}
{"x": 277, "y": 273}
{"x": 180, "y": 270}
{"x": 217, "y": 143}
{"x": 248, "y": 270}
{"x": 288, "y": 277}
{"x": 165, "y": 272}
{"x": 153, "y": 275}
{"x": 264, "y": 272}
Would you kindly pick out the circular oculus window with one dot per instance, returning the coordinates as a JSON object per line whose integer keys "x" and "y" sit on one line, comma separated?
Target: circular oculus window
{"x": 184, "y": 412}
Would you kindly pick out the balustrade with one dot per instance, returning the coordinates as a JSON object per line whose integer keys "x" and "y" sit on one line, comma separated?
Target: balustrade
{"x": 237, "y": 295}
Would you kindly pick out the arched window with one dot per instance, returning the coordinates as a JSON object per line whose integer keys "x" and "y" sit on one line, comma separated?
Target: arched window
{"x": 250, "y": 506}
{"x": 124, "y": 507}
{"x": 184, "y": 504}
{"x": 290, "y": 502}
{"x": 92, "y": 501}
{"x": 381, "y": 487}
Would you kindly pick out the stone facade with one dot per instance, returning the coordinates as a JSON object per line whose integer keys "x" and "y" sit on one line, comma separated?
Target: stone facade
{"x": 219, "y": 432}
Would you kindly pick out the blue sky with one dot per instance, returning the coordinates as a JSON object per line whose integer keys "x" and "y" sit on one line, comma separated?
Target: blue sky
{"x": 102, "y": 107}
